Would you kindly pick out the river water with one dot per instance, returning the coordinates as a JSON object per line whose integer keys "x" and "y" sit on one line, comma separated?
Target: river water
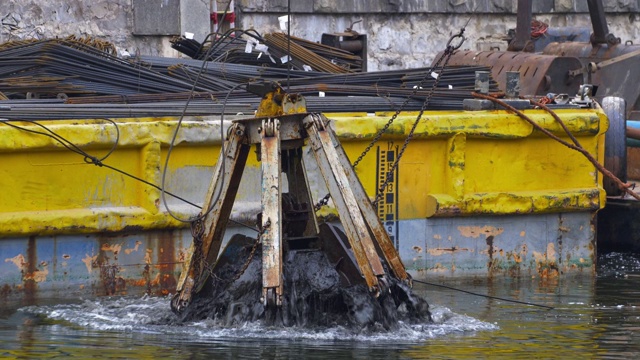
{"x": 591, "y": 318}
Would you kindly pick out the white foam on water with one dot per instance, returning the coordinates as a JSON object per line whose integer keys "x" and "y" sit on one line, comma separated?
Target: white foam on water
{"x": 153, "y": 315}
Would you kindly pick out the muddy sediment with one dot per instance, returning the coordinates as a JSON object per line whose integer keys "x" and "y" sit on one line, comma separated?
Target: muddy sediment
{"x": 314, "y": 296}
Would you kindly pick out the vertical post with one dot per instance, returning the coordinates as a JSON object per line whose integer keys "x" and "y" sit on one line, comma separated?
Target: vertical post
{"x": 513, "y": 84}
{"x": 601, "y": 33}
{"x": 482, "y": 82}
{"x": 523, "y": 26}
{"x": 271, "y": 214}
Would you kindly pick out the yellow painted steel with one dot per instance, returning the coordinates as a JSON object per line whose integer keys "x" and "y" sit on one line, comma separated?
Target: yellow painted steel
{"x": 489, "y": 162}
{"x": 458, "y": 163}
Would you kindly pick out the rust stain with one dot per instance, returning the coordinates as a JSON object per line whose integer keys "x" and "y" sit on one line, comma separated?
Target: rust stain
{"x": 443, "y": 251}
{"x": 89, "y": 261}
{"x": 5, "y": 291}
{"x": 551, "y": 251}
{"x": 30, "y": 286}
{"x": 114, "y": 248}
{"x": 523, "y": 233}
{"x": 147, "y": 256}
{"x": 146, "y": 278}
{"x": 38, "y": 275}
{"x": 417, "y": 249}
{"x": 18, "y": 261}
{"x": 438, "y": 267}
{"x": 490, "y": 245}
{"x": 66, "y": 256}
{"x": 182, "y": 255}
{"x": 517, "y": 258}
{"x": 135, "y": 248}
{"x": 476, "y": 231}
{"x": 111, "y": 281}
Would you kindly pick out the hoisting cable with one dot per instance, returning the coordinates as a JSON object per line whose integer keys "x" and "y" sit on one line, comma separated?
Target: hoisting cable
{"x": 91, "y": 159}
{"x": 66, "y": 143}
{"x": 576, "y": 146}
{"x": 483, "y": 295}
{"x": 288, "y": 43}
{"x": 222, "y": 149}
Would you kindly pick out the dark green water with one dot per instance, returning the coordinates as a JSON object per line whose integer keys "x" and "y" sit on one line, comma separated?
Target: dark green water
{"x": 592, "y": 318}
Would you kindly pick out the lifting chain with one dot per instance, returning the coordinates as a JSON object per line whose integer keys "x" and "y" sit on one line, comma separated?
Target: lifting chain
{"x": 199, "y": 260}
{"x": 253, "y": 250}
{"x": 446, "y": 56}
{"x": 197, "y": 230}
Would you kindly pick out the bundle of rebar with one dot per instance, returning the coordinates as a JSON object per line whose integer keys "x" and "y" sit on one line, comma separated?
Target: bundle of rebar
{"x": 77, "y": 68}
{"x": 82, "y": 81}
{"x": 281, "y": 51}
{"x": 55, "y": 109}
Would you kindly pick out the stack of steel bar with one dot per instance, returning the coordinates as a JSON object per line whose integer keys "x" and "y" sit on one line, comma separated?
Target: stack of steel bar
{"x": 243, "y": 50}
{"x": 279, "y": 44}
{"x": 153, "y": 86}
{"x": 52, "y": 109}
{"x": 341, "y": 57}
{"x": 77, "y": 68}
{"x": 455, "y": 83}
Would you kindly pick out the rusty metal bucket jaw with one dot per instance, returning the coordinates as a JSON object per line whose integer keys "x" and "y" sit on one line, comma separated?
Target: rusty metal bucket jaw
{"x": 214, "y": 217}
{"x": 361, "y": 224}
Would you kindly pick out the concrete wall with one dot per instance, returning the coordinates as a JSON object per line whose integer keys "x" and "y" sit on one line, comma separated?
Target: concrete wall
{"x": 401, "y": 33}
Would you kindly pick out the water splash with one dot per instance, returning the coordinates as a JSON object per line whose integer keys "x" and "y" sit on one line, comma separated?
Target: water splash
{"x": 152, "y": 315}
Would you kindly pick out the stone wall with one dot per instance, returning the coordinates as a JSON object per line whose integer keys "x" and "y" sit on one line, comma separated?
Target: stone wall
{"x": 401, "y": 33}
{"x": 144, "y": 26}
{"x": 409, "y": 33}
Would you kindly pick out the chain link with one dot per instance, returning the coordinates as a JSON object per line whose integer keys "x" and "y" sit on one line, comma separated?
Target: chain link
{"x": 447, "y": 53}
{"x": 197, "y": 231}
{"x": 202, "y": 268}
{"x": 446, "y": 56}
{"x": 253, "y": 251}
{"x": 322, "y": 202}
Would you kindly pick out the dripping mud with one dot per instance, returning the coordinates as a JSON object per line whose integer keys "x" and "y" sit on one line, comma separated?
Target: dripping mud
{"x": 316, "y": 294}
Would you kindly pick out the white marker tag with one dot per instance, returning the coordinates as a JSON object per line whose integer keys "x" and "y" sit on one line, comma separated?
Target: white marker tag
{"x": 262, "y": 48}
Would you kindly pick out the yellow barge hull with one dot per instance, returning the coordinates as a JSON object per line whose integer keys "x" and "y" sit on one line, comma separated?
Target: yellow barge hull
{"x": 477, "y": 194}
